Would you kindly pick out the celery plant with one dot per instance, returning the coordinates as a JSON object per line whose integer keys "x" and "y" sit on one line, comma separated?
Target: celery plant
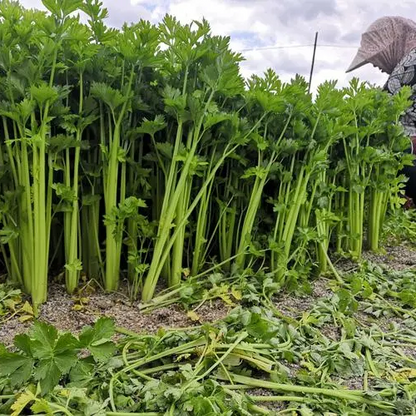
{"x": 76, "y": 124}
{"x": 220, "y": 76}
{"x": 144, "y": 143}
{"x": 136, "y": 47}
{"x": 31, "y": 124}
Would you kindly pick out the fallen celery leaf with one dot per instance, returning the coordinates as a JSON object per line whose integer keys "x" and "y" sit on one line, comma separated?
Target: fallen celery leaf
{"x": 193, "y": 316}
{"x": 236, "y": 293}
{"x": 22, "y": 401}
{"x": 25, "y": 318}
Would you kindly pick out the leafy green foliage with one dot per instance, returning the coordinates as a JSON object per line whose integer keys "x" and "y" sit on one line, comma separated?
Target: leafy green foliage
{"x": 146, "y": 148}
{"x": 328, "y": 356}
{"x": 12, "y": 304}
{"x": 45, "y": 356}
{"x": 97, "y": 339}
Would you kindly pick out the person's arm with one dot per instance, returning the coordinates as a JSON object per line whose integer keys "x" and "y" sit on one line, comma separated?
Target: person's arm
{"x": 405, "y": 74}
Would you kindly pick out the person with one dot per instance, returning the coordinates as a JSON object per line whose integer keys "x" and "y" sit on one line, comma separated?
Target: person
{"x": 390, "y": 45}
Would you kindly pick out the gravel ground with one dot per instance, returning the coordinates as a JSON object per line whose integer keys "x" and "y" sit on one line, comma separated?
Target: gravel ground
{"x": 294, "y": 306}
{"x": 393, "y": 257}
{"x": 273, "y": 406}
{"x": 59, "y": 311}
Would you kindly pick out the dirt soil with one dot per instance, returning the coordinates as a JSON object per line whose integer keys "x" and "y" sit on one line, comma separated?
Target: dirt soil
{"x": 397, "y": 257}
{"x": 61, "y": 309}
{"x": 394, "y": 258}
{"x": 65, "y": 313}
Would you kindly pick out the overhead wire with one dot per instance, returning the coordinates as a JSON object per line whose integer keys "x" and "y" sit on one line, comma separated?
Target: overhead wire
{"x": 263, "y": 48}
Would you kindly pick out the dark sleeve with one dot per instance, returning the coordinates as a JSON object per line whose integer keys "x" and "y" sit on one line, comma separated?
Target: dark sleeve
{"x": 405, "y": 74}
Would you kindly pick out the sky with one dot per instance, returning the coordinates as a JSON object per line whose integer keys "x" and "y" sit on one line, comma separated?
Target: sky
{"x": 277, "y": 34}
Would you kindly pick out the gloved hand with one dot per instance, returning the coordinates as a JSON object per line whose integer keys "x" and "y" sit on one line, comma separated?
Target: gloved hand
{"x": 413, "y": 140}
{"x": 409, "y": 203}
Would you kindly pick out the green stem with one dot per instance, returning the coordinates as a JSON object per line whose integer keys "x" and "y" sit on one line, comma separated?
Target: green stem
{"x": 133, "y": 414}
{"x": 112, "y": 186}
{"x": 350, "y": 395}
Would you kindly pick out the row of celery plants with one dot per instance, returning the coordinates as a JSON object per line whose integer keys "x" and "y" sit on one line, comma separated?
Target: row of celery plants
{"x": 141, "y": 153}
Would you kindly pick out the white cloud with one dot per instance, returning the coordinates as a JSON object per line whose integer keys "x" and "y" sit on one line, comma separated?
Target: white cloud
{"x": 259, "y": 23}
{"x": 224, "y": 17}
{"x": 120, "y": 11}
{"x": 288, "y": 23}
{"x": 33, "y": 4}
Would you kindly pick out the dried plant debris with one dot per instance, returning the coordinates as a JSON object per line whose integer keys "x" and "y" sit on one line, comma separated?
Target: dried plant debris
{"x": 346, "y": 348}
